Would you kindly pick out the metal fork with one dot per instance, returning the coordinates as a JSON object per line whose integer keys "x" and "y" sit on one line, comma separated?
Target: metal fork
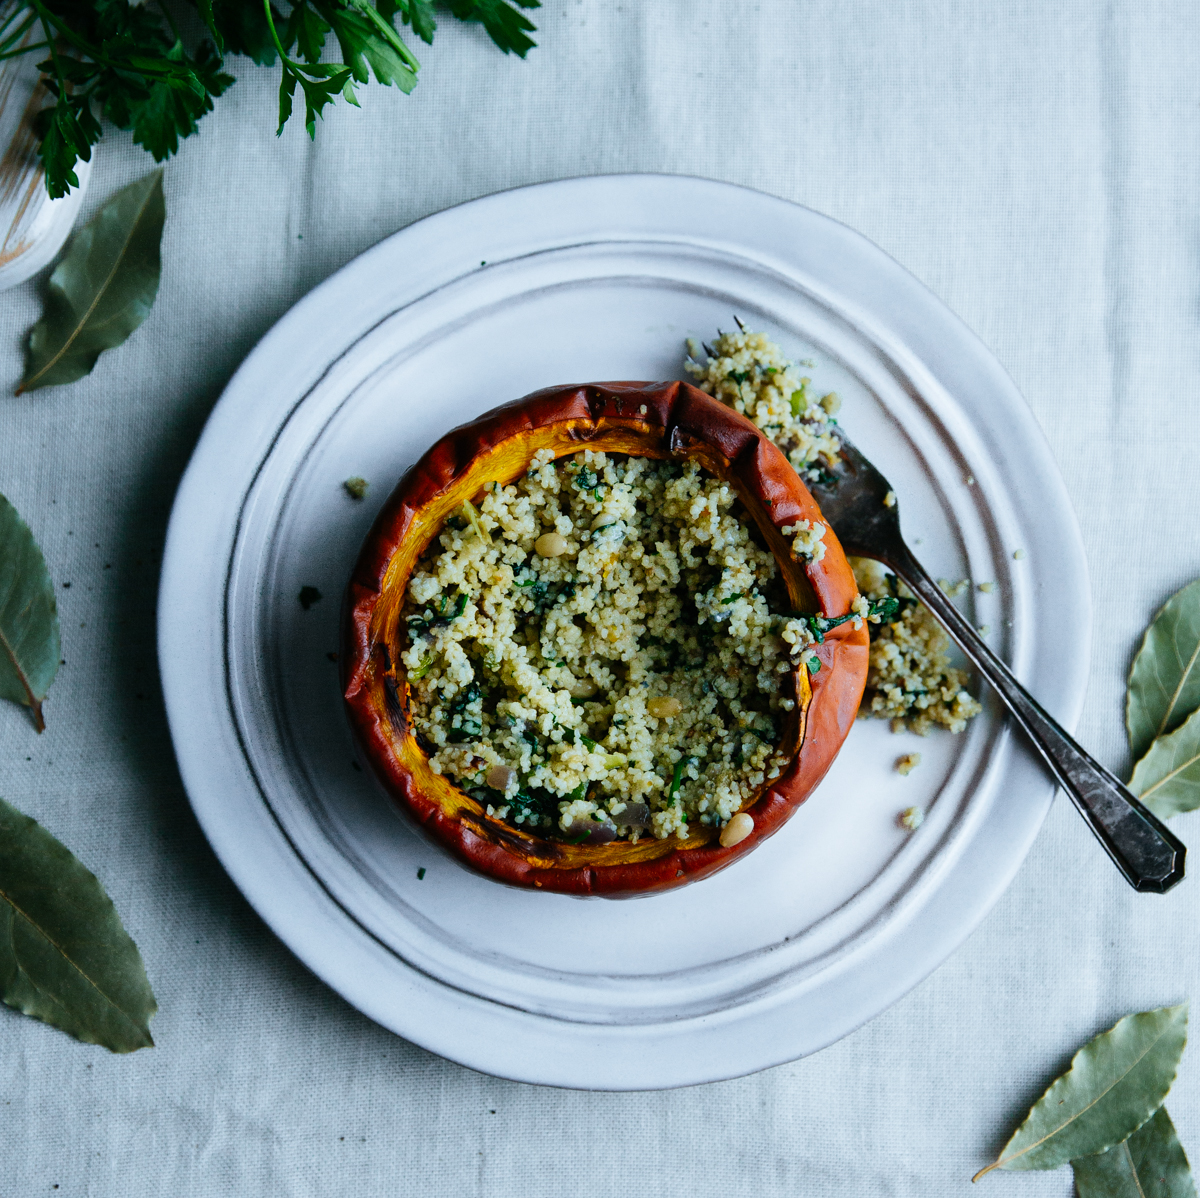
{"x": 1142, "y": 848}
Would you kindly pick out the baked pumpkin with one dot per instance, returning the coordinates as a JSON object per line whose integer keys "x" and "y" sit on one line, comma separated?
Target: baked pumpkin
{"x": 653, "y": 420}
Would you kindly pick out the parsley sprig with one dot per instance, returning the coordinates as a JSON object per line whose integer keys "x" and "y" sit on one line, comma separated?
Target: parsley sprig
{"x": 131, "y": 64}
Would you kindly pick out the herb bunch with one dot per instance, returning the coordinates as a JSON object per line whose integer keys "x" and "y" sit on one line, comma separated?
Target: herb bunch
{"x": 130, "y": 63}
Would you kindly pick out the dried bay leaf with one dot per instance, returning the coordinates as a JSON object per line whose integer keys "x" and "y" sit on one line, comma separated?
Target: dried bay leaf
{"x": 1150, "y": 1164}
{"x": 1167, "y": 779}
{"x": 1115, "y": 1083}
{"x": 1164, "y": 682}
{"x": 29, "y": 638}
{"x": 102, "y": 289}
{"x": 64, "y": 956}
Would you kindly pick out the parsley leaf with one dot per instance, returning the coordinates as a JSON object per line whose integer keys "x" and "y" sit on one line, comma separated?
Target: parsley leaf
{"x": 306, "y": 30}
{"x": 128, "y": 62}
{"x": 172, "y": 106}
{"x": 506, "y": 25}
{"x": 209, "y": 19}
{"x": 417, "y": 13}
{"x": 244, "y": 29}
{"x": 367, "y": 40}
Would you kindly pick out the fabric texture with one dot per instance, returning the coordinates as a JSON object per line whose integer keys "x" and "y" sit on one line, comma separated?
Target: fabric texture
{"x": 1037, "y": 166}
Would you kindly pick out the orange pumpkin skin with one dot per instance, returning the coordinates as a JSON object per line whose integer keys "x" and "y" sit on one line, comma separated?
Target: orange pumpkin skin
{"x": 662, "y": 420}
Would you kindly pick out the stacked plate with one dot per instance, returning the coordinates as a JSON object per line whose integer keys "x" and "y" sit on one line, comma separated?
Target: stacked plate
{"x": 582, "y": 280}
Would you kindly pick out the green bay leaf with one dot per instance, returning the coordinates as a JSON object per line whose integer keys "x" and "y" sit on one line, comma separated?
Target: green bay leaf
{"x": 1167, "y": 779}
{"x": 64, "y": 956}
{"x": 29, "y": 638}
{"x": 102, "y": 289}
{"x": 1115, "y": 1083}
{"x": 1164, "y": 682}
{"x": 1150, "y": 1164}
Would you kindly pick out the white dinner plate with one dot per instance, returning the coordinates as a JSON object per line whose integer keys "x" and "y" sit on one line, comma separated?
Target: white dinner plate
{"x": 795, "y": 945}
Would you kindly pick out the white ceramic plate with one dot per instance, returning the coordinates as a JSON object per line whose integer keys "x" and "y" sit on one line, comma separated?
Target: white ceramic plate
{"x": 590, "y": 279}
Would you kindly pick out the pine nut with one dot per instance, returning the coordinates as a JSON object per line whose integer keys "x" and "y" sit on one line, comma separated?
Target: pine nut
{"x": 499, "y": 776}
{"x": 664, "y": 707}
{"x": 738, "y": 828}
{"x": 550, "y": 544}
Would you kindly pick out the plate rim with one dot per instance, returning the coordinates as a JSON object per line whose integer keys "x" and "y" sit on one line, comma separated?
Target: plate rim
{"x": 178, "y": 568}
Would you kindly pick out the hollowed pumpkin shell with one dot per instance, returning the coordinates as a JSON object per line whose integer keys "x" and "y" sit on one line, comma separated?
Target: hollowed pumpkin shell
{"x": 658, "y": 420}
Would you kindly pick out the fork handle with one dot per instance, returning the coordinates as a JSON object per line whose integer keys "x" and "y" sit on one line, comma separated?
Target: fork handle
{"x": 1142, "y": 848}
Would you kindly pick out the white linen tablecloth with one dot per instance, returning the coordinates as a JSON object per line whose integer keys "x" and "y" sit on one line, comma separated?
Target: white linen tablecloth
{"x": 1038, "y": 166}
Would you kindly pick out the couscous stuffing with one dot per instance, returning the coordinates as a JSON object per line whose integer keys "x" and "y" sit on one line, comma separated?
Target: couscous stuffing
{"x": 749, "y": 372}
{"x": 911, "y": 681}
{"x": 599, "y": 650}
